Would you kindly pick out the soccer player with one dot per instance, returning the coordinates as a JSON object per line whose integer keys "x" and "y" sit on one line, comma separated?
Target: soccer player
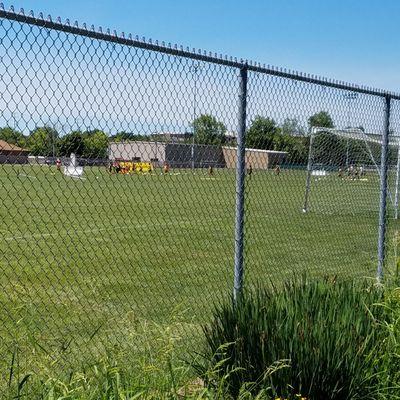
{"x": 166, "y": 168}
{"x": 250, "y": 170}
{"x": 277, "y": 169}
{"x": 58, "y": 164}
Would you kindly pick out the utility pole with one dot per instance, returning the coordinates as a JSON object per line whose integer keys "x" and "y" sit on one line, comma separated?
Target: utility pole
{"x": 195, "y": 70}
{"x": 349, "y": 97}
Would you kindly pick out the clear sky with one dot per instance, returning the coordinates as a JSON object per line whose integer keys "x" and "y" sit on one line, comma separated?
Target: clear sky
{"x": 351, "y": 40}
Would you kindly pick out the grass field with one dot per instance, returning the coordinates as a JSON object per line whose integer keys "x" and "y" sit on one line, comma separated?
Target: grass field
{"x": 83, "y": 261}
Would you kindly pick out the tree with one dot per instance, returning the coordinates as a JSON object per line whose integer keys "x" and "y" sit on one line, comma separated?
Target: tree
{"x": 95, "y": 144}
{"x": 128, "y": 136}
{"x": 43, "y": 141}
{"x": 208, "y": 130}
{"x": 12, "y": 136}
{"x": 299, "y": 150}
{"x": 262, "y": 134}
{"x": 292, "y": 127}
{"x": 72, "y": 143}
{"x": 321, "y": 119}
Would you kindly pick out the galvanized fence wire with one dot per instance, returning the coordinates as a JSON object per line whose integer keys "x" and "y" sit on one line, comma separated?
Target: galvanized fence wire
{"x": 140, "y": 181}
{"x": 338, "y": 194}
{"x": 146, "y": 228}
{"x": 393, "y": 185}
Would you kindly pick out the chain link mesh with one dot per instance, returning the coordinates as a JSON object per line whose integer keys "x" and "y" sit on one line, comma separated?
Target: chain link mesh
{"x": 117, "y": 177}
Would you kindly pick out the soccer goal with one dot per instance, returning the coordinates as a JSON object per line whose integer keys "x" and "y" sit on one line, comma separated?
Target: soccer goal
{"x": 344, "y": 170}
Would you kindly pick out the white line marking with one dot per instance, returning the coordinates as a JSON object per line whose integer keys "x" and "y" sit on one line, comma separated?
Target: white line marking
{"x": 27, "y": 176}
{"x": 72, "y": 232}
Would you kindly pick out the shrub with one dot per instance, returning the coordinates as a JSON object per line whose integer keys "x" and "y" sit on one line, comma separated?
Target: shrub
{"x": 326, "y": 332}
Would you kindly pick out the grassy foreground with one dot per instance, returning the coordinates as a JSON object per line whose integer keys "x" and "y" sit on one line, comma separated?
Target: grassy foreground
{"x": 346, "y": 348}
{"x": 85, "y": 261}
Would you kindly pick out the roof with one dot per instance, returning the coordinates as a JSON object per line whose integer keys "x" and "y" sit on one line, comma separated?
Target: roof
{"x": 258, "y": 150}
{"x": 359, "y": 134}
{"x": 138, "y": 142}
{"x": 4, "y": 146}
{"x": 179, "y": 134}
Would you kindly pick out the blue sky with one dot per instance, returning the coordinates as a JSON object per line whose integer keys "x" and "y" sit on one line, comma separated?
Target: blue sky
{"x": 350, "y": 40}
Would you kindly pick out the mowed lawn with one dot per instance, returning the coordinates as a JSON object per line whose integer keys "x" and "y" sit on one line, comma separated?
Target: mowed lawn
{"x": 83, "y": 258}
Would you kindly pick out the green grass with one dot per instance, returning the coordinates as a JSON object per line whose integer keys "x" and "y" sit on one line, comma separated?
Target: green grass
{"x": 83, "y": 261}
{"x": 327, "y": 334}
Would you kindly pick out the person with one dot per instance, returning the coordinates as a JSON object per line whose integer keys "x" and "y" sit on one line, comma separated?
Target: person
{"x": 340, "y": 172}
{"x": 250, "y": 170}
{"x": 210, "y": 170}
{"x": 277, "y": 169}
{"x": 351, "y": 172}
{"x": 58, "y": 164}
{"x": 166, "y": 168}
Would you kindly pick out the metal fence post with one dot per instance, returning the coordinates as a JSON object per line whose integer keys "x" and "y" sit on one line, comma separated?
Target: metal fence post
{"x": 383, "y": 192}
{"x": 240, "y": 177}
{"x": 396, "y": 193}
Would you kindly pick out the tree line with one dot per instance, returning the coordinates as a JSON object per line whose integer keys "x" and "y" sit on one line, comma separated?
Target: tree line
{"x": 46, "y": 141}
{"x": 263, "y": 133}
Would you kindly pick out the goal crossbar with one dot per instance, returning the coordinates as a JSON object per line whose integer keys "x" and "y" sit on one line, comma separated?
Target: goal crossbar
{"x": 356, "y": 134}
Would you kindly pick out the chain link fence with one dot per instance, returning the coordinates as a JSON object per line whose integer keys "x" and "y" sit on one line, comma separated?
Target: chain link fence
{"x": 141, "y": 181}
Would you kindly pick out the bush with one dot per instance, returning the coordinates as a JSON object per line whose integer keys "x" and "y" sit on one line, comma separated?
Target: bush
{"x": 325, "y": 335}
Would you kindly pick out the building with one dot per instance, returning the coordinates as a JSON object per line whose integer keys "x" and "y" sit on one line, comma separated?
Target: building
{"x": 172, "y": 137}
{"x": 182, "y": 155}
{"x": 230, "y": 138}
{"x": 257, "y": 158}
{"x": 177, "y": 155}
{"x": 12, "y": 154}
{"x": 137, "y": 151}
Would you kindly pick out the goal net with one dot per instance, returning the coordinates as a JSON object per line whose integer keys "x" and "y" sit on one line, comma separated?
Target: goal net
{"x": 344, "y": 171}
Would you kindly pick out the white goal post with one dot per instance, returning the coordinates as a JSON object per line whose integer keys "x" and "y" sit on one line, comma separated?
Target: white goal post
{"x": 335, "y": 156}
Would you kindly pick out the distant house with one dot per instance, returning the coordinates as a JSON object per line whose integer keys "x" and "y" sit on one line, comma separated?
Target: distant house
{"x": 172, "y": 137}
{"x": 12, "y": 154}
{"x": 230, "y": 138}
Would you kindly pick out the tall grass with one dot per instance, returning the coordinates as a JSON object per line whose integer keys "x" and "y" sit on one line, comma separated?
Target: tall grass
{"x": 151, "y": 368}
{"x": 316, "y": 340}
{"x": 328, "y": 335}
{"x": 388, "y": 358}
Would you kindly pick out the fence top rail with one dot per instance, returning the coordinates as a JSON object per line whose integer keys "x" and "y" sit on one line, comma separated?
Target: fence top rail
{"x": 176, "y": 50}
